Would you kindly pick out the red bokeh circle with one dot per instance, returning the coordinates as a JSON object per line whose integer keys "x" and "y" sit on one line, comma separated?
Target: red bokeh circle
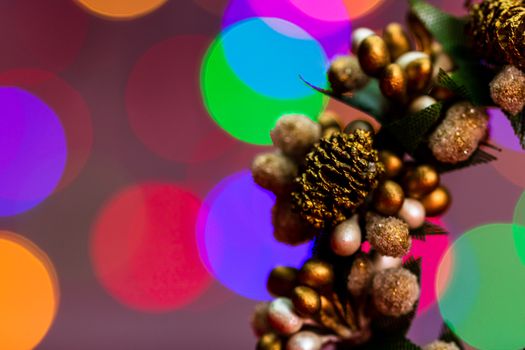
{"x": 164, "y": 103}
{"x": 144, "y": 248}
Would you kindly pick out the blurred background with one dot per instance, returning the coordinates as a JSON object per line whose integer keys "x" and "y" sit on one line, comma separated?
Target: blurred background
{"x": 128, "y": 217}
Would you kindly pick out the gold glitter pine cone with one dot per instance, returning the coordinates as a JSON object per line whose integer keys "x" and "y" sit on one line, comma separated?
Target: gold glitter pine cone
{"x": 497, "y": 29}
{"x": 338, "y": 175}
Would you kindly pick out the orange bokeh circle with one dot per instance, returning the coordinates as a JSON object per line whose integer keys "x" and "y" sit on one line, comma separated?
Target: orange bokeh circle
{"x": 121, "y": 9}
{"x": 29, "y": 293}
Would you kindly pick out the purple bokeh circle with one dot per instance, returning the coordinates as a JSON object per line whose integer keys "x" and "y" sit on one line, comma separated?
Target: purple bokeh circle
{"x": 235, "y": 239}
{"x": 32, "y": 151}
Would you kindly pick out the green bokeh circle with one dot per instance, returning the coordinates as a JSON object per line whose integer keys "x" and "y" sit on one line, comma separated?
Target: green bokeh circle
{"x": 238, "y": 109}
{"x": 483, "y": 300}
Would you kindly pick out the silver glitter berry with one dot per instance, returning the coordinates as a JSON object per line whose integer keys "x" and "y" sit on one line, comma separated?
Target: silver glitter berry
{"x": 274, "y": 172}
{"x": 295, "y": 134}
{"x": 508, "y": 89}
{"x": 395, "y": 291}
{"x": 458, "y": 136}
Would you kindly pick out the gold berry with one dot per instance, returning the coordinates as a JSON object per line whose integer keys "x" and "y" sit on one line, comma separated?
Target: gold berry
{"x": 306, "y": 301}
{"x": 392, "y": 163}
{"x": 269, "y": 341}
{"x": 419, "y": 73}
{"x": 436, "y": 202}
{"x": 393, "y": 83}
{"x": 316, "y": 274}
{"x": 282, "y": 280}
{"x": 329, "y": 119}
{"x": 421, "y": 180}
{"x": 396, "y": 40}
{"x": 388, "y": 198}
{"x": 373, "y": 55}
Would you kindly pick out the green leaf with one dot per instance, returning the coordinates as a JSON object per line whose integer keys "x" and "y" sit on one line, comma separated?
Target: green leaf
{"x": 518, "y": 124}
{"x": 428, "y": 229}
{"x": 447, "y": 29}
{"x": 410, "y": 131}
{"x": 368, "y": 100}
{"x": 449, "y": 82}
{"x": 414, "y": 265}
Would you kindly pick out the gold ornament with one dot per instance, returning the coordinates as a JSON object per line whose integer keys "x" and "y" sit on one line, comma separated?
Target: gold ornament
{"x": 436, "y": 202}
{"x": 396, "y": 40}
{"x": 373, "y": 55}
{"x": 345, "y": 75}
{"x": 458, "y": 136}
{"x": 316, "y": 274}
{"x": 507, "y": 89}
{"x": 288, "y": 226}
{"x": 497, "y": 31}
{"x": 274, "y": 172}
{"x": 282, "y": 280}
{"x": 306, "y": 301}
{"x": 393, "y": 83}
{"x": 270, "y": 341}
{"x": 360, "y": 275}
{"x": 358, "y": 36}
{"x": 418, "y": 74}
{"x": 395, "y": 291}
{"x": 391, "y": 162}
{"x": 388, "y": 235}
{"x": 295, "y": 134}
{"x": 329, "y": 119}
{"x": 338, "y": 175}
{"x": 441, "y": 345}
{"x": 421, "y": 180}
{"x": 388, "y": 198}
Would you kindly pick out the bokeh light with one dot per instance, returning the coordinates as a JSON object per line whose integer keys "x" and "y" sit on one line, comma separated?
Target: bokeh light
{"x": 236, "y": 237}
{"x": 480, "y": 288}
{"x": 29, "y": 293}
{"x": 121, "y": 9}
{"x": 336, "y": 10}
{"x": 431, "y": 250}
{"x": 242, "y": 110}
{"x": 164, "y": 104}
{"x": 144, "y": 249}
{"x": 33, "y": 155}
{"x": 330, "y": 25}
{"x": 273, "y": 64}
{"x": 45, "y": 34}
{"x": 70, "y": 108}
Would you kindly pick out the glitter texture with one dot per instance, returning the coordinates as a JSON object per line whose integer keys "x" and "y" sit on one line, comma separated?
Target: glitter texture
{"x": 441, "y": 345}
{"x": 395, "y": 291}
{"x": 508, "y": 90}
{"x": 458, "y": 136}
{"x": 389, "y": 236}
{"x": 338, "y": 175}
{"x": 295, "y": 134}
{"x": 274, "y": 172}
{"x": 360, "y": 275}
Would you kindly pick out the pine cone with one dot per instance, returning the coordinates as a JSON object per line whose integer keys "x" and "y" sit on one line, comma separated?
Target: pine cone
{"x": 338, "y": 175}
{"x": 497, "y": 28}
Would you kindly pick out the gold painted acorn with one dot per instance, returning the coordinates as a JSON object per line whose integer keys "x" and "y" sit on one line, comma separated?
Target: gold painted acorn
{"x": 373, "y": 55}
